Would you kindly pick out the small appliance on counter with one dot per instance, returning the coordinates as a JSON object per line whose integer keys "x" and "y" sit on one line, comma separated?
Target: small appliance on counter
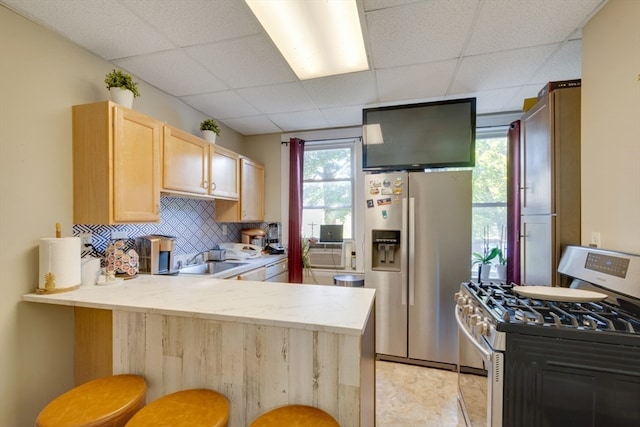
{"x": 156, "y": 254}
{"x": 218, "y": 254}
{"x": 273, "y": 239}
{"x": 253, "y": 236}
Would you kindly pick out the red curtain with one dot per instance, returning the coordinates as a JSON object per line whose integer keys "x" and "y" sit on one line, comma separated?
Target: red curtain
{"x": 296, "y": 161}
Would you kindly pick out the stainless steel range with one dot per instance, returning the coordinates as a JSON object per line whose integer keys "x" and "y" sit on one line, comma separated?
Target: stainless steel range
{"x": 565, "y": 358}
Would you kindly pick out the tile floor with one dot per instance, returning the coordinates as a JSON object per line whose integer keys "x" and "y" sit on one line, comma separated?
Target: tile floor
{"x": 415, "y": 396}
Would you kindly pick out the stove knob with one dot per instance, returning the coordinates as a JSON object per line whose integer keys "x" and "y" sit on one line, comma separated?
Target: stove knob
{"x": 468, "y": 309}
{"x": 475, "y": 319}
{"x": 483, "y": 328}
{"x": 456, "y": 296}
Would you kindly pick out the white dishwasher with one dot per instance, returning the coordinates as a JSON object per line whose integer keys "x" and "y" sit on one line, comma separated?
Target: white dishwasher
{"x": 278, "y": 271}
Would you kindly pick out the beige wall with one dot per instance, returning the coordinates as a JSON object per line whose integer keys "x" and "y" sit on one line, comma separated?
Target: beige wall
{"x": 611, "y": 126}
{"x": 41, "y": 77}
{"x": 266, "y": 150}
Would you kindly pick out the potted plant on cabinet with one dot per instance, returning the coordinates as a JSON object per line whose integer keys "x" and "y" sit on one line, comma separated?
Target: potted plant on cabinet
{"x": 125, "y": 88}
{"x": 484, "y": 259}
{"x": 210, "y": 130}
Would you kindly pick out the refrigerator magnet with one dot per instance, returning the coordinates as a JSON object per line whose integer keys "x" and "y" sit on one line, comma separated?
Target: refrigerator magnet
{"x": 374, "y": 191}
{"x": 385, "y": 201}
{"x": 386, "y": 191}
{"x": 370, "y": 203}
{"x": 384, "y": 214}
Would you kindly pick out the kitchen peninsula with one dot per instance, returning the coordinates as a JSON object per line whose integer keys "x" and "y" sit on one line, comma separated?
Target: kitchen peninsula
{"x": 263, "y": 345}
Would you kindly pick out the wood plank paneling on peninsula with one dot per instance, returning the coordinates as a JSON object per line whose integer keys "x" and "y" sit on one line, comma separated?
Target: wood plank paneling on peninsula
{"x": 263, "y": 345}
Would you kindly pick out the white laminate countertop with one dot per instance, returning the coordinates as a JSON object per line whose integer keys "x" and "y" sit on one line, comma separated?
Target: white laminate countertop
{"x": 335, "y": 309}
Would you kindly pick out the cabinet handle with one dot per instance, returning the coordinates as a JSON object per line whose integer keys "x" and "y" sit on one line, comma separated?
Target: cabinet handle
{"x": 213, "y": 186}
{"x": 205, "y": 184}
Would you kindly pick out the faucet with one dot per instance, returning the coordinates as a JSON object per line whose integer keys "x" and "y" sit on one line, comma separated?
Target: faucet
{"x": 194, "y": 258}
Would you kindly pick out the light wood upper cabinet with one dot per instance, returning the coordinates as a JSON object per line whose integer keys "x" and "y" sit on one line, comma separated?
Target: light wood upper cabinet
{"x": 225, "y": 173}
{"x": 185, "y": 163}
{"x": 116, "y": 165}
{"x": 250, "y": 208}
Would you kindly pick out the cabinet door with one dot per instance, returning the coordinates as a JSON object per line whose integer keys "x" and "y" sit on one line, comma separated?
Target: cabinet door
{"x": 224, "y": 174}
{"x": 252, "y": 191}
{"x": 536, "y": 164}
{"x": 537, "y": 252}
{"x": 136, "y": 167}
{"x": 185, "y": 162}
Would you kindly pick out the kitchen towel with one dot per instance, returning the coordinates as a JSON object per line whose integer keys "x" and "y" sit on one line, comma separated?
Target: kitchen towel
{"x": 60, "y": 265}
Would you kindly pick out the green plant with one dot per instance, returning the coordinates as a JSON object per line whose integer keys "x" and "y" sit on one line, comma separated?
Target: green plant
{"x": 210, "y": 124}
{"x": 117, "y": 78}
{"x": 486, "y": 257}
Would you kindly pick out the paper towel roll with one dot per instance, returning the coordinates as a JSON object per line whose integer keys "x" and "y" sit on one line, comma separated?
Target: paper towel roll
{"x": 60, "y": 266}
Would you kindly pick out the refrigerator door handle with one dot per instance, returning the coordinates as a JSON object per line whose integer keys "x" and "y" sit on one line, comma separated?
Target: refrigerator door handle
{"x": 412, "y": 249}
{"x": 402, "y": 257}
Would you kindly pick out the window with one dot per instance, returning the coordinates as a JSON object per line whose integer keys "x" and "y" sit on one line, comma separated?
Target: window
{"x": 489, "y": 209}
{"x": 328, "y": 182}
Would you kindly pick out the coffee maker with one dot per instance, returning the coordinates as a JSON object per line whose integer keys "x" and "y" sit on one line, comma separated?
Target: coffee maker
{"x": 273, "y": 239}
{"x": 156, "y": 254}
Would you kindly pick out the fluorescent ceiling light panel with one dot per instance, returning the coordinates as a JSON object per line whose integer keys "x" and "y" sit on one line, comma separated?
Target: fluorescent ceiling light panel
{"x": 318, "y": 38}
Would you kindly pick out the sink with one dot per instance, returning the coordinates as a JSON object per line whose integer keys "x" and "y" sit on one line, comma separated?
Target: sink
{"x": 210, "y": 267}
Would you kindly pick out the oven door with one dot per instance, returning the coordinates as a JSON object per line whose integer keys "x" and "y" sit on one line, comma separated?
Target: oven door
{"x": 480, "y": 393}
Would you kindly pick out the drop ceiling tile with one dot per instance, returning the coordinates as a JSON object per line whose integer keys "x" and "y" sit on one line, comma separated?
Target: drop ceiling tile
{"x": 301, "y": 120}
{"x": 499, "y": 70}
{"x": 244, "y": 62}
{"x": 256, "y": 125}
{"x": 415, "y": 81}
{"x": 564, "y": 64}
{"x": 173, "y": 72}
{"x": 507, "y": 24}
{"x": 370, "y": 5}
{"x": 524, "y": 92}
{"x": 200, "y": 21}
{"x": 343, "y": 116}
{"x": 344, "y": 89}
{"x": 419, "y": 32}
{"x": 221, "y": 105}
{"x": 277, "y": 98}
{"x": 104, "y": 27}
{"x": 491, "y": 101}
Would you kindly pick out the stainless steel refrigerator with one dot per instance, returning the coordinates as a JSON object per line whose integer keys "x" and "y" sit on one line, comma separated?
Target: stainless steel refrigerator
{"x": 417, "y": 252}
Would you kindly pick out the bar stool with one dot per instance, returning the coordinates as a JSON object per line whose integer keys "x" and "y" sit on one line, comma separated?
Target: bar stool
{"x": 187, "y": 408}
{"x": 103, "y": 402}
{"x": 295, "y": 416}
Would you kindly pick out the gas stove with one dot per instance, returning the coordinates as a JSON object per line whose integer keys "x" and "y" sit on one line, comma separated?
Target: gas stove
{"x": 505, "y": 310}
{"x": 536, "y": 351}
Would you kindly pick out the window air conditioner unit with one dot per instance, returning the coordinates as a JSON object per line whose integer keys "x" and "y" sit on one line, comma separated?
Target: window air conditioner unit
{"x": 327, "y": 256}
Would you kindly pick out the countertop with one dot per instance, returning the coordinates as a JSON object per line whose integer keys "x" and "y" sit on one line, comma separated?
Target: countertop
{"x": 336, "y": 309}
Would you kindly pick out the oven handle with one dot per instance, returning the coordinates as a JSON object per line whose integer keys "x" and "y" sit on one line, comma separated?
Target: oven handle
{"x": 485, "y": 353}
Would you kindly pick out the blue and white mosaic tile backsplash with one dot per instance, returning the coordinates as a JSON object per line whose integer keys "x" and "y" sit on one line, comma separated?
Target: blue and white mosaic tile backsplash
{"x": 191, "y": 221}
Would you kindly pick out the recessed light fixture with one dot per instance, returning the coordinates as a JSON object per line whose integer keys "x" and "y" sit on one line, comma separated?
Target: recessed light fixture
{"x": 318, "y": 38}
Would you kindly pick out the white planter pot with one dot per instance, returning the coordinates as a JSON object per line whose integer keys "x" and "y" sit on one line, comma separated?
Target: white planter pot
{"x": 485, "y": 271}
{"x": 209, "y": 135}
{"x": 121, "y": 96}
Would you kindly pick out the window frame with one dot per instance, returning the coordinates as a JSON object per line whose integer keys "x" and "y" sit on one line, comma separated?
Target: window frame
{"x": 321, "y": 145}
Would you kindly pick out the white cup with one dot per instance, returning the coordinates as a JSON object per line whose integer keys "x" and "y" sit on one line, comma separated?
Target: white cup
{"x": 90, "y": 271}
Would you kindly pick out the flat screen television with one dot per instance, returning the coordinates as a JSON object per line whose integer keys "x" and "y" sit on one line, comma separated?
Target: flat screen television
{"x": 419, "y": 136}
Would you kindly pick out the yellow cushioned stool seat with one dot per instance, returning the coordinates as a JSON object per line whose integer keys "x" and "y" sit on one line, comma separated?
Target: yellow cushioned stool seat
{"x": 109, "y": 401}
{"x": 295, "y": 416}
{"x": 187, "y": 408}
